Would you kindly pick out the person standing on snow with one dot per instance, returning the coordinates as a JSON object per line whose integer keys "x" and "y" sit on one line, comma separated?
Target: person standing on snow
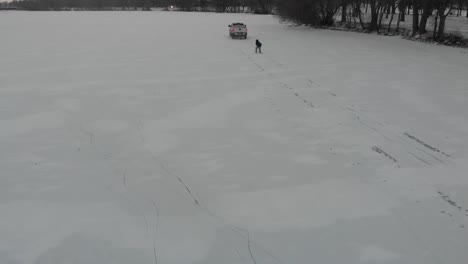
{"x": 259, "y": 46}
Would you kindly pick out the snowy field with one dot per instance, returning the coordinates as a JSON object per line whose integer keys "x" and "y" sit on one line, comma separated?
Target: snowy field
{"x": 152, "y": 137}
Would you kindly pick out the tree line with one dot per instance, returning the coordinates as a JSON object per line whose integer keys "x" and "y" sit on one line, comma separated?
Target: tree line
{"x": 233, "y": 6}
{"x": 369, "y": 14}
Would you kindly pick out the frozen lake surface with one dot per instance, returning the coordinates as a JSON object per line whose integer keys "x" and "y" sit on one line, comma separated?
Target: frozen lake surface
{"x": 152, "y": 137}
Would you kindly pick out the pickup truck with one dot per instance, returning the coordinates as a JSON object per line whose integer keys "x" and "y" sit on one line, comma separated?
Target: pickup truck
{"x": 238, "y": 30}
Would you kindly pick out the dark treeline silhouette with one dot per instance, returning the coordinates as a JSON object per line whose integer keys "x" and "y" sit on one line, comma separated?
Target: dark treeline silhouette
{"x": 43, "y": 5}
{"x": 369, "y": 14}
{"x": 234, "y": 6}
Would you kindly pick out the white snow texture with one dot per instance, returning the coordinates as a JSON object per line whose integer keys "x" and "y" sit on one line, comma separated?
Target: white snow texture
{"x": 152, "y": 137}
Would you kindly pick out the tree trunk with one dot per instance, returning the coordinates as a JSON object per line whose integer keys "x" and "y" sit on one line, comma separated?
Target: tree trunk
{"x": 434, "y": 33}
{"x": 374, "y": 15}
{"x": 399, "y": 19}
{"x": 343, "y": 12}
{"x": 402, "y": 10}
{"x": 358, "y": 10}
{"x": 441, "y": 31}
{"x": 380, "y": 19}
{"x": 354, "y": 18}
{"x": 415, "y": 17}
{"x": 390, "y": 23}
{"x": 427, "y": 11}
{"x": 460, "y": 8}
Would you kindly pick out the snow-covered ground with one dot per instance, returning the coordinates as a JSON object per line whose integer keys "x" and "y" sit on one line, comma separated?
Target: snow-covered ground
{"x": 152, "y": 137}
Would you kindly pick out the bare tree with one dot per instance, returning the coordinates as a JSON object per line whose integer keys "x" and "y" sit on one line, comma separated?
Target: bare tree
{"x": 427, "y": 8}
{"x": 344, "y": 6}
{"x": 403, "y": 4}
{"x": 444, "y": 7}
{"x": 465, "y": 3}
{"x": 460, "y": 7}
{"x": 391, "y": 17}
{"x": 374, "y": 14}
{"x": 414, "y": 5}
{"x": 318, "y": 12}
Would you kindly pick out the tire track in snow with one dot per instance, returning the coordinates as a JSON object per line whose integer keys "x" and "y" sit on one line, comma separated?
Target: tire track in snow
{"x": 426, "y": 145}
{"x": 126, "y": 198}
{"x": 124, "y": 183}
{"x": 252, "y": 60}
{"x": 358, "y": 117}
{"x": 250, "y": 249}
{"x": 451, "y": 202}
{"x": 91, "y": 137}
{"x": 87, "y": 133}
{"x": 124, "y": 176}
{"x": 391, "y": 134}
{"x": 156, "y": 228}
{"x": 421, "y": 159}
{"x": 133, "y": 205}
{"x": 283, "y": 67}
{"x": 156, "y": 225}
{"x": 300, "y": 97}
{"x": 188, "y": 191}
{"x": 388, "y": 135}
{"x": 163, "y": 166}
{"x": 396, "y": 137}
{"x": 244, "y": 233}
{"x": 404, "y": 140}
{"x": 198, "y": 204}
{"x": 380, "y": 151}
{"x": 458, "y": 211}
{"x": 278, "y": 64}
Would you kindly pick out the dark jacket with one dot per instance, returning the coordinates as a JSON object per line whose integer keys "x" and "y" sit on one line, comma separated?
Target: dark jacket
{"x": 258, "y": 43}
